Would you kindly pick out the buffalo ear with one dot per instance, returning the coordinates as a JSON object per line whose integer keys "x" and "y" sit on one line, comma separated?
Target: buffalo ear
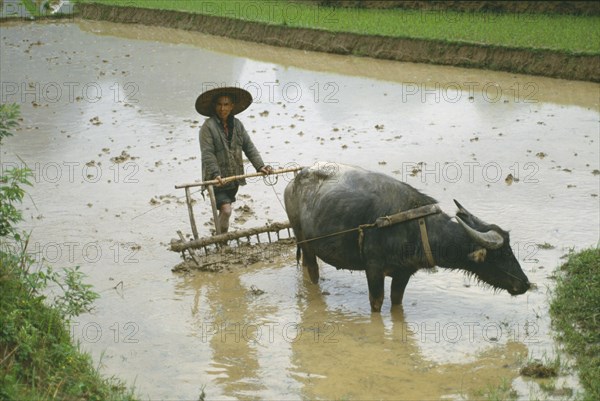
{"x": 478, "y": 256}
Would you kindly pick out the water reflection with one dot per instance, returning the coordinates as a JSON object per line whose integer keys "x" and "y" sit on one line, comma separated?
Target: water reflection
{"x": 223, "y": 322}
{"x": 293, "y": 341}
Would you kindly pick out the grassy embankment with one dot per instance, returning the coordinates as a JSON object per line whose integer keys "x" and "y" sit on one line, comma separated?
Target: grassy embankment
{"x": 38, "y": 360}
{"x": 570, "y": 34}
{"x": 575, "y": 311}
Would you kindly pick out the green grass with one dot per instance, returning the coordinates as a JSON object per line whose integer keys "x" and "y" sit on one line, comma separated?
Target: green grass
{"x": 575, "y": 311}
{"x": 38, "y": 361}
{"x": 31, "y": 7}
{"x": 501, "y": 392}
{"x": 573, "y": 34}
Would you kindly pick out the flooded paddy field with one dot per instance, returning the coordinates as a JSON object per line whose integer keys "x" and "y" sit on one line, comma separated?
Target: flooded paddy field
{"x": 108, "y": 128}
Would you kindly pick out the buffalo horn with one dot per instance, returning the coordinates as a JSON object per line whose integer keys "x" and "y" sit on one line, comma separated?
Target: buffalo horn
{"x": 489, "y": 240}
{"x": 474, "y": 218}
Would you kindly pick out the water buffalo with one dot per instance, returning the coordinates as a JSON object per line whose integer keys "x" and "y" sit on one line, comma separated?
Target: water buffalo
{"x": 325, "y": 204}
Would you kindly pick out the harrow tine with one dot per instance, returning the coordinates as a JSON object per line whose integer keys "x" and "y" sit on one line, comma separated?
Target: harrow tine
{"x": 205, "y": 242}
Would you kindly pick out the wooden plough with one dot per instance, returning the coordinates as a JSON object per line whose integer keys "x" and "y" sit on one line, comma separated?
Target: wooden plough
{"x": 272, "y": 230}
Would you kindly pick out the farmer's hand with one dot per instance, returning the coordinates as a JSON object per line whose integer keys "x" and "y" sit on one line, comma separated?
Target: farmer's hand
{"x": 218, "y": 178}
{"x": 266, "y": 169}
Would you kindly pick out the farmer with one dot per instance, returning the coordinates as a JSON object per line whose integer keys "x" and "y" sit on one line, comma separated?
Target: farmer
{"x": 222, "y": 140}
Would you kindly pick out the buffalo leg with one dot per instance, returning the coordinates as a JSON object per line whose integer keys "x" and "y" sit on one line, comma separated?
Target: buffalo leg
{"x": 375, "y": 280}
{"x": 399, "y": 281}
{"x": 309, "y": 260}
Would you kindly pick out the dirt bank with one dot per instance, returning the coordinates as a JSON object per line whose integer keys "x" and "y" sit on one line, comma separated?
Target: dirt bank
{"x": 535, "y": 62}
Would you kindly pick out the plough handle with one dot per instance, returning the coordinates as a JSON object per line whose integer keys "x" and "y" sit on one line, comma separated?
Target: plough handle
{"x": 237, "y": 177}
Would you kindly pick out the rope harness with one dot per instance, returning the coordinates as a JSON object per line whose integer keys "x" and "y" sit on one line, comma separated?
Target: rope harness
{"x": 385, "y": 221}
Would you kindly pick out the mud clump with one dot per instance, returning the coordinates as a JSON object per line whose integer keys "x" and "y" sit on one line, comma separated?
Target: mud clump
{"x": 123, "y": 157}
{"x": 243, "y": 214}
{"x": 229, "y": 258}
{"x": 538, "y": 370}
{"x": 167, "y": 199}
{"x": 95, "y": 120}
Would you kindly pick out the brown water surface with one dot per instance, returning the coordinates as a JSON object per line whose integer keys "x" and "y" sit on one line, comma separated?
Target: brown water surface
{"x": 109, "y": 128}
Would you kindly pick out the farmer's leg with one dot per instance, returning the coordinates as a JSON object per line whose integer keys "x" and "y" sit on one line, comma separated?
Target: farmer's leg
{"x": 224, "y": 215}
{"x": 224, "y": 200}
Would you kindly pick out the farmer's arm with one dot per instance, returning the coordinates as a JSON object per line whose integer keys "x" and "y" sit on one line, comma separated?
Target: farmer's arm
{"x": 210, "y": 166}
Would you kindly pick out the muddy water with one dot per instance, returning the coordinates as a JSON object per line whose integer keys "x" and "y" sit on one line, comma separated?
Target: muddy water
{"x": 109, "y": 128}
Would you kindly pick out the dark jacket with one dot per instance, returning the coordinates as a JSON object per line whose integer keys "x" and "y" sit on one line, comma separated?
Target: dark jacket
{"x": 219, "y": 158}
